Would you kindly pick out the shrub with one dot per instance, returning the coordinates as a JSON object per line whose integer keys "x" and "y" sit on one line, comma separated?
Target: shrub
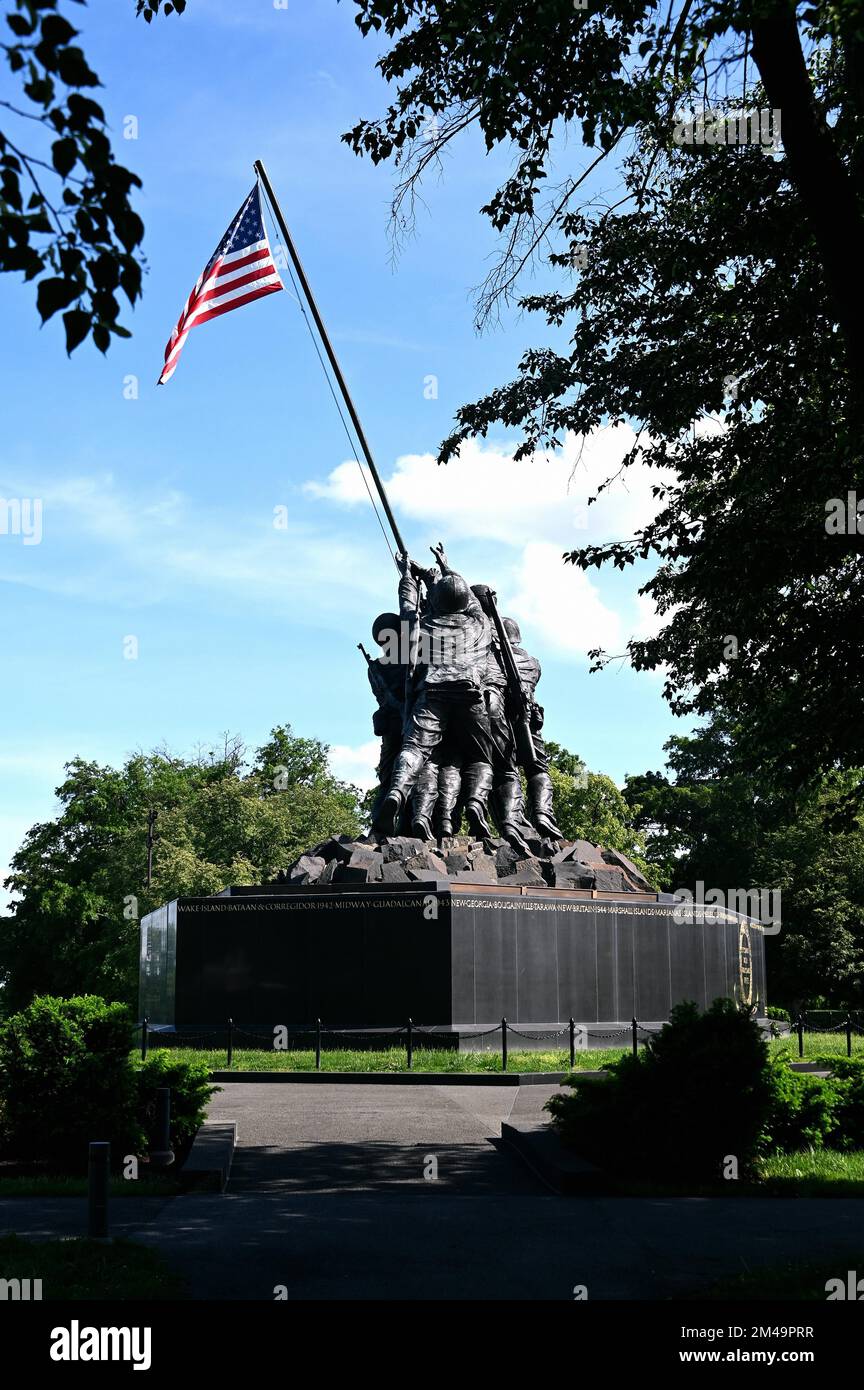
{"x": 65, "y": 1079}
{"x": 803, "y": 1112}
{"x": 701, "y": 1089}
{"x": 847, "y": 1084}
{"x": 782, "y": 1015}
{"x": 190, "y": 1092}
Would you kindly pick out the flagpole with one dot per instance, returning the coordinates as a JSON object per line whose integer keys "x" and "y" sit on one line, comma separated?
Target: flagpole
{"x": 261, "y": 173}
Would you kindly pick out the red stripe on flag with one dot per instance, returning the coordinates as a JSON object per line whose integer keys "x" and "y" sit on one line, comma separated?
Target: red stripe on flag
{"x": 229, "y": 285}
{"x": 236, "y": 303}
{"x": 220, "y": 278}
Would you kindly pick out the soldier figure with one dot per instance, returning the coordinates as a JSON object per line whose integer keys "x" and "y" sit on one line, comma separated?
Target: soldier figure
{"x": 387, "y": 679}
{"x": 539, "y": 782}
{"x": 450, "y": 699}
{"x": 436, "y": 794}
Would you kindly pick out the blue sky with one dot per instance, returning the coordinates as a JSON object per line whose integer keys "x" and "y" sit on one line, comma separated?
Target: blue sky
{"x": 158, "y": 511}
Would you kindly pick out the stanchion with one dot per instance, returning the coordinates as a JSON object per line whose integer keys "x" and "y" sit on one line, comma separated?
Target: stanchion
{"x": 144, "y": 1024}
{"x": 800, "y": 1035}
{"x": 503, "y": 1044}
{"x": 230, "y": 1042}
{"x": 317, "y": 1044}
{"x": 572, "y": 1042}
{"x": 635, "y": 1038}
{"x": 848, "y": 1035}
{"x": 410, "y": 1044}
{"x": 162, "y": 1155}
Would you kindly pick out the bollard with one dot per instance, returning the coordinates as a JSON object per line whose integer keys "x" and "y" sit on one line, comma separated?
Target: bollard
{"x": 98, "y": 1173}
{"x": 161, "y": 1154}
{"x": 572, "y": 1042}
{"x": 800, "y": 1035}
{"x": 317, "y": 1044}
{"x": 144, "y": 1039}
{"x": 503, "y": 1044}
{"x": 410, "y": 1044}
{"x": 635, "y": 1038}
{"x": 848, "y": 1035}
{"x": 230, "y": 1041}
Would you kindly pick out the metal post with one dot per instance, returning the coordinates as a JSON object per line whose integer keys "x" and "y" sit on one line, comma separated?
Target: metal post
{"x": 800, "y": 1035}
{"x": 317, "y": 1044}
{"x": 98, "y": 1173}
{"x": 230, "y": 1042}
{"x": 635, "y": 1038}
{"x": 410, "y": 1044}
{"x": 144, "y": 1024}
{"x": 848, "y": 1035}
{"x": 503, "y": 1044}
{"x": 261, "y": 173}
{"x": 572, "y": 1042}
{"x": 162, "y": 1155}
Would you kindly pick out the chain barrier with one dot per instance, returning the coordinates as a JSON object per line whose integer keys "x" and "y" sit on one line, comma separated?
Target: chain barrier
{"x": 536, "y": 1037}
{"x": 412, "y": 1034}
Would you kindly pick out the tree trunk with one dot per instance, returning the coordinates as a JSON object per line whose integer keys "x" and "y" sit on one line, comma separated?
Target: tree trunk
{"x": 823, "y": 182}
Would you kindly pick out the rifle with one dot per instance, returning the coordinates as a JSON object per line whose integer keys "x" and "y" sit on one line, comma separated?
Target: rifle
{"x": 520, "y": 704}
{"x": 382, "y": 693}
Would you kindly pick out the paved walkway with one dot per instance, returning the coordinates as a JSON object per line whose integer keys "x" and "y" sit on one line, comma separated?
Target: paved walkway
{"x": 338, "y": 1138}
{"x": 329, "y": 1200}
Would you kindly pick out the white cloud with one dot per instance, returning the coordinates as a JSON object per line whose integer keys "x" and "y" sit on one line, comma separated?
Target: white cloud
{"x": 536, "y": 509}
{"x": 356, "y": 765}
{"x": 139, "y": 548}
{"x": 558, "y": 605}
{"x": 485, "y": 494}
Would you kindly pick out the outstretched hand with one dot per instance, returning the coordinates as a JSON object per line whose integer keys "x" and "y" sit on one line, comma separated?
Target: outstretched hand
{"x": 440, "y": 556}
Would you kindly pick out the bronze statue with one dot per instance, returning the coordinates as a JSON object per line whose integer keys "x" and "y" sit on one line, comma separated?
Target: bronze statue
{"x": 467, "y": 720}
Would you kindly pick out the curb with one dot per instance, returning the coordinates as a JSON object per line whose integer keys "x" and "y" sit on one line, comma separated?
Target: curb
{"x": 209, "y": 1162}
{"x": 560, "y": 1169}
{"x": 394, "y": 1078}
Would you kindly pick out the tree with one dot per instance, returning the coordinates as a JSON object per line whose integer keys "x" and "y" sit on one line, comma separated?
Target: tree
{"x": 712, "y": 821}
{"x": 525, "y": 73}
{"x": 65, "y": 210}
{"x": 589, "y": 806}
{"x": 81, "y": 880}
{"x": 707, "y": 305}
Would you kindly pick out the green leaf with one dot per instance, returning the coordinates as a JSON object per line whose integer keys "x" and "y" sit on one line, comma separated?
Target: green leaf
{"x": 82, "y": 111}
{"x": 55, "y": 293}
{"x": 40, "y": 90}
{"x": 57, "y": 30}
{"x": 20, "y": 26}
{"x": 77, "y": 322}
{"x": 74, "y": 70}
{"x": 64, "y": 154}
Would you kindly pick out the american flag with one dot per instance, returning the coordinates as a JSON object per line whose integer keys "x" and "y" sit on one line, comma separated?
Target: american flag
{"x": 241, "y": 269}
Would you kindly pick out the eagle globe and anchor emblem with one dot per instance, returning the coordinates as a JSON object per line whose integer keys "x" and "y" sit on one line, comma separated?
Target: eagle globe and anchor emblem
{"x": 745, "y": 965}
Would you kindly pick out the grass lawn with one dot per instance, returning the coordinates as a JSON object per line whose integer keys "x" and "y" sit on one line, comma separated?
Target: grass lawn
{"x": 814, "y": 1173}
{"x": 91, "y": 1269}
{"x": 393, "y": 1059}
{"x": 811, "y": 1173}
